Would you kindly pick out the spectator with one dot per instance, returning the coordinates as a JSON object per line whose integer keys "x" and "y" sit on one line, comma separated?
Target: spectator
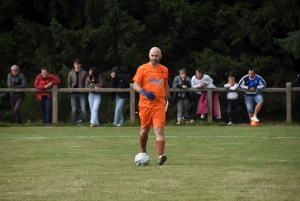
{"x": 16, "y": 80}
{"x": 94, "y": 80}
{"x": 200, "y": 80}
{"x": 118, "y": 80}
{"x": 42, "y": 82}
{"x": 76, "y": 79}
{"x": 182, "y": 81}
{"x": 151, "y": 81}
{"x": 232, "y": 100}
{"x": 253, "y": 82}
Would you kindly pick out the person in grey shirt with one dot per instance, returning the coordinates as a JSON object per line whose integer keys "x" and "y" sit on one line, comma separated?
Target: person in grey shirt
{"x": 182, "y": 81}
{"x": 16, "y": 80}
{"x": 76, "y": 79}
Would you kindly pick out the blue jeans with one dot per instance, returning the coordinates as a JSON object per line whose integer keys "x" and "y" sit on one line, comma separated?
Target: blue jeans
{"x": 78, "y": 98}
{"x": 119, "y": 119}
{"x": 249, "y": 98}
{"x": 94, "y": 102}
{"x": 46, "y": 109}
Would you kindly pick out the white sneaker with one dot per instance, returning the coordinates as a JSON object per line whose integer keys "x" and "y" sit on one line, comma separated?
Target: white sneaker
{"x": 92, "y": 124}
{"x": 254, "y": 118}
{"x": 178, "y": 123}
{"x": 230, "y": 124}
{"x": 118, "y": 125}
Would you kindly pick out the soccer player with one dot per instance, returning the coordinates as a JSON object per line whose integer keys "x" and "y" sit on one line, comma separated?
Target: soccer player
{"x": 252, "y": 82}
{"x": 151, "y": 81}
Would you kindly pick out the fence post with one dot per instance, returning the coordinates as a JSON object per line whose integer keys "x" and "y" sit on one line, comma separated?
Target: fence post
{"x": 289, "y": 102}
{"x": 210, "y": 103}
{"x": 54, "y": 104}
{"x": 132, "y": 103}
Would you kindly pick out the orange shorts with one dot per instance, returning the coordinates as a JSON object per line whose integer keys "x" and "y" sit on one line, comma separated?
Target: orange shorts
{"x": 152, "y": 116}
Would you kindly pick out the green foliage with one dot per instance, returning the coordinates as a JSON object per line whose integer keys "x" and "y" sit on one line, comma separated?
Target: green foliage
{"x": 291, "y": 44}
{"x": 216, "y": 35}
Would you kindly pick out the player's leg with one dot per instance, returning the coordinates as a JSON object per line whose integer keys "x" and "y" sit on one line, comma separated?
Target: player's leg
{"x": 146, "y": 123}
{"x": 158, "y": 116}
{"x": 144, "y": 138}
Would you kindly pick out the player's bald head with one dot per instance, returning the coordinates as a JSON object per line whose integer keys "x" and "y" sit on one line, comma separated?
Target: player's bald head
{"x": 155, "y": 50}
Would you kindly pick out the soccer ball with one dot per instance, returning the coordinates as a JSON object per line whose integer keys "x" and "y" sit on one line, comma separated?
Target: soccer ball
{"x": 142, "y": 159}
{"x": 254, "y": 123}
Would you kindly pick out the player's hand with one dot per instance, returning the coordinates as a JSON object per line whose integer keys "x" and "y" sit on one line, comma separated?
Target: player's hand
{"x": 169, "y": 99}
{"x": 148, "y": 94}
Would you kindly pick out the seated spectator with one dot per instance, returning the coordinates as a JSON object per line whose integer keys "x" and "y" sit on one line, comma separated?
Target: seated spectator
{"x": 45, "y": 81}
{"x": 182, "y": 81}
{"x": 16, "y": 80}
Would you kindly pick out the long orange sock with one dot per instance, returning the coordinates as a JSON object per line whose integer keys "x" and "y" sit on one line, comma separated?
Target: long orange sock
{"x": 160, "y": 147}
{"x": 143, "y": 143}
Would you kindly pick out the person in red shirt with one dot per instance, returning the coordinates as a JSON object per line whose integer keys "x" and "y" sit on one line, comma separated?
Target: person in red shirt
{"x": 151, "y": 81}
{"x": 45, "y": 81}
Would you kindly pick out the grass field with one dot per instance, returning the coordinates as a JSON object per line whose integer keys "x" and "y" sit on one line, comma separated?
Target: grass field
{"x": 204, "y": 163}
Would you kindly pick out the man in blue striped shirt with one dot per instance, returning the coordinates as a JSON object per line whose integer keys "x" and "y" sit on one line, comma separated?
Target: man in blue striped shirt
{"x": 253, "y": 82}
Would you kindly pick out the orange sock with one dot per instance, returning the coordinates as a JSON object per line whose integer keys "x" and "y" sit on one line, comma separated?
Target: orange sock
{"x": 160, "y": 147}
{"x": 143, "y": 143}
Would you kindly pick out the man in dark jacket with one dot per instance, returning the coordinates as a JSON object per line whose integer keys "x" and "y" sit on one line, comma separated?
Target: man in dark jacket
{"x": 76, "y": 79}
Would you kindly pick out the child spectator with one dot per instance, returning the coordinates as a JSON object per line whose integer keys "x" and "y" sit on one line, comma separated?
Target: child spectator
{"x": 232, "y": 100}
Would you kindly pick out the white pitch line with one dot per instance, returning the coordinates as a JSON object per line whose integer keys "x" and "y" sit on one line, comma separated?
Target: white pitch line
{"x": 136, "y": 136}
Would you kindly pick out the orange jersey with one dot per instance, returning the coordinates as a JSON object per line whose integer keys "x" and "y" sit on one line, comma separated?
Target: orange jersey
{"x": 152, "y": 79}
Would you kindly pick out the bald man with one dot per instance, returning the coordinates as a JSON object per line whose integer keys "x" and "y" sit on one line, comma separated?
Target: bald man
{"x": 151, "y": 81}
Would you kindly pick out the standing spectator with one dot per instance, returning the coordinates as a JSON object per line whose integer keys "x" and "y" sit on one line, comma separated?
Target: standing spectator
{"x": 119, "y": 80}
{"x": 76, "y": 79}
{"x": 42, "y": 82}
{"x": 16, "y": 80}
{"x": 253, "y": 82}
{"x": 232, "y": 100}
{"x": 182, "y": 81}
{"x": 151, "y": 81}
{"x": 200, "y": 80}
{"x": 94, "y": 80}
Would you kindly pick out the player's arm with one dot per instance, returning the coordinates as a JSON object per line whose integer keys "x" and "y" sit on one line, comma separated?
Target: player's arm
{"x": 137, "y": 86}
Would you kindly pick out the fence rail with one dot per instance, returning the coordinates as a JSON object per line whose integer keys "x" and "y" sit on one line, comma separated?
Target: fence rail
{"x": 55, "y": 90}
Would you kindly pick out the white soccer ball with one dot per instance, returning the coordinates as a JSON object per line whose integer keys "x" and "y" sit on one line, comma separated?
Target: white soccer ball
{"x": 142, "y": 159}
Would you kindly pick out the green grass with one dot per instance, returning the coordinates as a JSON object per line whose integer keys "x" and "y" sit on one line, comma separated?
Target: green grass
{"x": 204, "y": 163}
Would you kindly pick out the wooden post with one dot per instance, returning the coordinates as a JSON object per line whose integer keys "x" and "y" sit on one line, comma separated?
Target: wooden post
{"x": 210, "y": 103}
{"x": 132, "y": 103}
{"x": 289, "y": 102}
{"x": 54, "y": 104}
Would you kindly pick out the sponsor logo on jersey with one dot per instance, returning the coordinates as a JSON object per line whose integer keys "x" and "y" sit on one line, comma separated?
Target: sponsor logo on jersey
{"x": 155, "y": 81}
